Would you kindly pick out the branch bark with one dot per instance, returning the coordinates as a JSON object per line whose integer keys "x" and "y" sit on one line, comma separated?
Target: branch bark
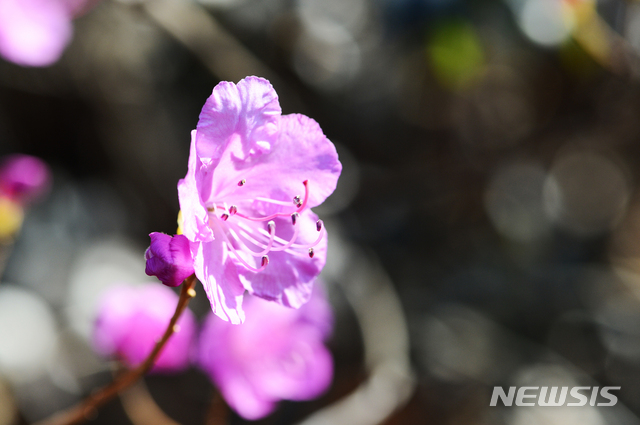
{"x": 88, "y": 408}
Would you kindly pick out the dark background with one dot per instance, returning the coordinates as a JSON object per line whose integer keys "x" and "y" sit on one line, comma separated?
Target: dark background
{"x": 490, "y": 168}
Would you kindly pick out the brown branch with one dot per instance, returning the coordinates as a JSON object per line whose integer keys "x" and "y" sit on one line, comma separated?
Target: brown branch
{"x": 218, "y": 410}
{"x": 140, "y": 407}
{"x": 88, "y": 408}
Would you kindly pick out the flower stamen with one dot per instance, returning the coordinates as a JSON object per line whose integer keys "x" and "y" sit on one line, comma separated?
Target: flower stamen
{"x": 225, "y": 215}
{"x": 291, "y": 241}
{"x": 311, "y": 245}
{"x": 242, "y": 260}
{"x": 245, "y": 248}
{"x": 279, "y": 214}
{"x": 243, "y": 238}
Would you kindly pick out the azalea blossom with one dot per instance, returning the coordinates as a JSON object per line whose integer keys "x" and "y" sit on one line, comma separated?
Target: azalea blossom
{"x": 24, "y": 178}
{"x": 131, "y": 319}
{"x": 277, "y": 354}
{"x": 253, "y": 176}
{"x": 169, "y": 258}
{"x": 36, "y": 32}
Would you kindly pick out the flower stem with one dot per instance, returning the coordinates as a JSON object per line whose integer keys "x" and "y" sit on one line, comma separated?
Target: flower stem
{"x": 218, "y": 410}
{"x": 88, "y": 408}
{"x": 140, "y": 407}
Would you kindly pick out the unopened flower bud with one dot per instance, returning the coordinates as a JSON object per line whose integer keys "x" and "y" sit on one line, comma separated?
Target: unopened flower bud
{"x": 169, "y": 258}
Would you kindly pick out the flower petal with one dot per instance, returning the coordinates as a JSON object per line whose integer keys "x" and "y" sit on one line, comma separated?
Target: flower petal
{"x": 301, "y": 152}
{"x": 242, "y": 398}
{"x": 219, "y": 277}
{"x": 117, "y": 304}
{"x": 24, "y": 178}
{"x": 131, "y": 319}
{"x": 288, "y": 279}
{"x": 218, "y": 357}
{"x": 33, "y": 32}
{"x": 276, "y": 354}
{"x": 317, "y": 311}
{"x": 305, "y": 369}
{"x": 194, "y": 214}
{"x": 154, "y": 306}
{"x": 249, "y": 109}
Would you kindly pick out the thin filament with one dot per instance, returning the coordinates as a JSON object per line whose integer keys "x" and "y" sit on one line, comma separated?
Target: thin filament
{"x": 311, "y": 245}
{"x": 266, "y": 248}
{"x": 239, "y": 257}
{"x": 280, "y": 214}
{"x": 246, "y": 238}
{"x": 273, "y": 201}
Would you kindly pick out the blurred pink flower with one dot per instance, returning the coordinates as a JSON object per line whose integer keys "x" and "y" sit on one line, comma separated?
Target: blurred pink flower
{"x": 131, "y": 319}
{"x": 253, "y": 176}
{"x": 23, "y": 178}
{"x": 35, "y": 32}
{"x": 277, "y": 354}
{"x": 169, "y": 258}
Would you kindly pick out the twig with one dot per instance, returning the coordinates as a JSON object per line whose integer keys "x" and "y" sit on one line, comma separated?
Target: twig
{"x": 88, "y": 408}
{"x": 140, "y": 407}
{"x": 218, "y": 410}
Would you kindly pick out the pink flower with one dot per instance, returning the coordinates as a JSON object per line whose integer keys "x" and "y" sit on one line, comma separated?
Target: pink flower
{"x": 131, "y": 319}
{"x": 169, "y": 258}
{"x": 23, "y": 178}
{"x": 278, "y": 353}
{"x": 253, "y": 176}
{"x": 35, "y": 32}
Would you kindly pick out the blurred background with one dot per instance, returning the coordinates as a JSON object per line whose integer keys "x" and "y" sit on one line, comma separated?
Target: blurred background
{"x": 485, "y": 231}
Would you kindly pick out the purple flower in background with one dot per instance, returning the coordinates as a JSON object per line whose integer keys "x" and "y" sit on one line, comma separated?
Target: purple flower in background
{"x": 169, "y": 258}
{"x": 35, "y": 32}
{"x": 253, "y": 176}
{"x": 24, "y": 178}
{"x": 131, "y": 319}
{"x": 277, "y": 354}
